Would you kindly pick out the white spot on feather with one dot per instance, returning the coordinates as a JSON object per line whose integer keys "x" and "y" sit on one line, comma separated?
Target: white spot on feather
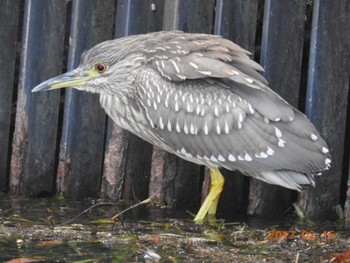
{"x": 151, "y": 122}
{"x": 177, "y": 126}
{"x": 161, "y": 124}
{"x": 216, "y": 112}
{"x": 325, "y": 150}
{"x": 175, "y": 66}
{"x": 169, "y": 125}
{"x": 278, "y": 132}
{"x": 176, "y": 106}
{"x": 270, "y": 151}
{"x": 181, "y": 76}
{"x": 207, "y": 73}
{"x": 193, "y": 65}
{"x": 167, "y": 101}
{"x": 198, "y": 109}
{"x": 281, "y": 143}
{"x": 240, "y": 117}
{"x": 314, "y": 137}
{"x": 227, "y": 108}
{"x": 249, "y": 80}
{"x": 218, "y": 129}
{"x": 327, "y": 161}
{"x": 188, "y": 108}
{"x": 247, "y": 157}
{"x": 261, "y": 155}
{"x": 251, "y": 110}
{"x": 185, "y": 128}
{"x": 227, "y": 129}
{"x": 192, "y": 129}
{"x": 231, "y": 158}
{"x": 160, "y": 48}
{"x": 212, "y": 158}
{"x": 206, "y": 131}
{"x": 221, "y": 158}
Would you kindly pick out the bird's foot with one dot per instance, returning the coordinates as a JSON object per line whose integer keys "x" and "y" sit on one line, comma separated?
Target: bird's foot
{"x": 210, "y": 203}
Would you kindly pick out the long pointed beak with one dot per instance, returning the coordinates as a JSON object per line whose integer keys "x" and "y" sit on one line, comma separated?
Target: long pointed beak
{"x": 72, "y": 78}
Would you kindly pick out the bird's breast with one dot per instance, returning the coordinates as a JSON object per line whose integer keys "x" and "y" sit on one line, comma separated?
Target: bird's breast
{"x": 126, "y": 114}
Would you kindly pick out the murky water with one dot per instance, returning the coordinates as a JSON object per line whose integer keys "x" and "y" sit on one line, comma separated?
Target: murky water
{"x": 47, "y": 230}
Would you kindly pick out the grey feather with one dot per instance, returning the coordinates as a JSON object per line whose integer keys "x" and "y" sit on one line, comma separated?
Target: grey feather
{"x": 202, "y": 98}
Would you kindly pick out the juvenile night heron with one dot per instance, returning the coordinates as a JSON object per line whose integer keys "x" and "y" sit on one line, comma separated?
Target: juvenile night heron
{"x": 201, "y": 98}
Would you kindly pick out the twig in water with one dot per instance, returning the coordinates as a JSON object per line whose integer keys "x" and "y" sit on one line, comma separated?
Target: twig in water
{"x": 146, "y": 201}
{"x": 85, "y": 211}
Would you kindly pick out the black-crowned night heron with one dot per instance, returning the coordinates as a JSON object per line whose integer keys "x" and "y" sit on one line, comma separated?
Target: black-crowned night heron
{"x": 201, "y": 98}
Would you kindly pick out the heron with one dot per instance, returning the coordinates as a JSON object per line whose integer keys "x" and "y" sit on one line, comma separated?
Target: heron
{"x": 201, "y": 97}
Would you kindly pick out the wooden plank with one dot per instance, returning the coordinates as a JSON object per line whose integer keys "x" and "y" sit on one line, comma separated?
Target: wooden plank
{"x": 127, "y": 162}
{"x": 9, "y": 17}
{"x": 34, "y": 143}
{"x": 347, "y": 194}
{"x": 81, "y": 149}
{"x": 327, "y": 98}
{"x": 236, "y": 20}
{"x": 180, "y": 179}
{"x": 281, "y": 53}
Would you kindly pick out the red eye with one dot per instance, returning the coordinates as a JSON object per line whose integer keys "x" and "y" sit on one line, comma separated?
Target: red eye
{"x": 100, "y": 67}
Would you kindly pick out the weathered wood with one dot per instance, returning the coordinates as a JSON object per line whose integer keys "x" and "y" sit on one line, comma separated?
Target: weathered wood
{"x": 327, "y": 98}
{"x": 236, "y": 20}
{"x": 281, "y": 57}
{"x": 347, "y": 195}
{"x": 34, "y": 143}
{"x": 180, "y": 179}
{"x": 127, "y": 165}
{"x": 129, "y": 176}
{"x": 9, "y": 18}
{"x": 81, "y": 149}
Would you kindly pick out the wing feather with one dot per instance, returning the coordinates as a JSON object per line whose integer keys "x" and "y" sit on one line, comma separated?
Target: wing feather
{"x": 254, "y": 146}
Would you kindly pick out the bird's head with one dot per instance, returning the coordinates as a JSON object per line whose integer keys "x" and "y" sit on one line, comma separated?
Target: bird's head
{"x": 107, "y": 68}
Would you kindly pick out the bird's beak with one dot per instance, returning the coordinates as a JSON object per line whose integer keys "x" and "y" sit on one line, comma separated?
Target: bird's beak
{"x": 72, "y": 78}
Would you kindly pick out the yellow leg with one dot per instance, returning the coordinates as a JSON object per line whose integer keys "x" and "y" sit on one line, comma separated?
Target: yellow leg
{"x": 210, "y": 203}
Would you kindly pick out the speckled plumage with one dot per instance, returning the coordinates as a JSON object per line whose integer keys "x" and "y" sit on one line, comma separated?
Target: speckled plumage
{"x": 202, "y": 98}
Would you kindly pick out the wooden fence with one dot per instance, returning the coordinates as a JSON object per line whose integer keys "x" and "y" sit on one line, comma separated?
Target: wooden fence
{"x": 61, "y": 142}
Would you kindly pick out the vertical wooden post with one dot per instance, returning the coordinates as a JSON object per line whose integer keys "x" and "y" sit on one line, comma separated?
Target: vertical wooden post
{"x": 236, "y": 20}
{"x": 327, "y": 98}
{"x": 281, "y": 57}
{"x": 34, "y": 143}
{"x": 81, "y": 149}
{"x": 9, "y": 18}
{"x": 127, "y": 164}
{"x": 181, "y": 180}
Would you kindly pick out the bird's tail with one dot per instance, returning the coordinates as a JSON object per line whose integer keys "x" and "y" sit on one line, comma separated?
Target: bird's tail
{"x": 289, "y": 179}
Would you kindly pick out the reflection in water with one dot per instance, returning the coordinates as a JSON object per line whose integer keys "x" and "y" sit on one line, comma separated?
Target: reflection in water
{"x": 36, "y": 229}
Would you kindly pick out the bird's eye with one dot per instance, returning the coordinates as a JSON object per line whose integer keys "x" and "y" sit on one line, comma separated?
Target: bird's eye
{"x": 100, "y": 67}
